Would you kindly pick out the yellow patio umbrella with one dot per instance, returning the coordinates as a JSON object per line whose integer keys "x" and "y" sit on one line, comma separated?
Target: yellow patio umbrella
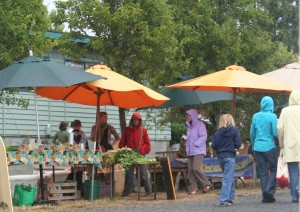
{"x": 116, "y": 90}
{"x": 234, "y": 79}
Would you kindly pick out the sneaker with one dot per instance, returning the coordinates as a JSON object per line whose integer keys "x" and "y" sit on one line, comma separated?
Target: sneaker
{"x": 295, "y": 201}
{"x": 230, "y": 201}
{"x": 268, "y": 198}
{"x": 225, "y": 204}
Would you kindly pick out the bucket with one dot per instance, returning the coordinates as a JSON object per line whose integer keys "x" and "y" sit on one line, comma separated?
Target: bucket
{"x": 88, "y": 188}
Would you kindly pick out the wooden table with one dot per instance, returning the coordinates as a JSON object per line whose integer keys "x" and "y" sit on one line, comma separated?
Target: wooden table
{"x": 166, "y": 152}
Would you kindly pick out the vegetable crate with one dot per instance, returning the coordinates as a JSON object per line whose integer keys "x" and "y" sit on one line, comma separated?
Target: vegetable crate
{"x": 66, "y": 190}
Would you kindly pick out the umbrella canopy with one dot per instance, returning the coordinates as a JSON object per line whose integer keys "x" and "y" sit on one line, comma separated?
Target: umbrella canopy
{"x": 36, "y": 72}
{"x": 180, "y": 97}
{"x": 117, "y": 90}
{"x": 234, "y": 79}
{"x": 288, "y": 75}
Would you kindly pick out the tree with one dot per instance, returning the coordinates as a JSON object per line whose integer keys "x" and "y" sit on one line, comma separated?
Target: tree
{"x": 285, "y": 21}
{"x": 136, "y": 37}
{"x": 23, "y": 26}
{"x": 220, "y": 33}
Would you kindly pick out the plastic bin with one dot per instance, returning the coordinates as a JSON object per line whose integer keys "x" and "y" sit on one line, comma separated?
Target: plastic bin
{"x": 88, "y": 188}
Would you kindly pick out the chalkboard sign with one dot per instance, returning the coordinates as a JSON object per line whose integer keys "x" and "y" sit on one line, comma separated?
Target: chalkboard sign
{"x": 168, "y": 177}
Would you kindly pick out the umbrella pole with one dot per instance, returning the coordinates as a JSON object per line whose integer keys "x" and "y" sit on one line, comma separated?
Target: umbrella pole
{"x": 37, "y": 116}
{"x": 233, "y": 103}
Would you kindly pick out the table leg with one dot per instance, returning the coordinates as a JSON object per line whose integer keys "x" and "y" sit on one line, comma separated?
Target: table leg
{"x": 112, "y": 181}
{"x": 92, "y": 183}
{"x": 177, "y": 180}
{"x": 53, "y": 174}
{"x": 139, "y": 182}
{"x": 42, "y": 182}
{"x": 186, "y": 180}
{"x": 154, "y": 184}
{"x": 74, "y": 172}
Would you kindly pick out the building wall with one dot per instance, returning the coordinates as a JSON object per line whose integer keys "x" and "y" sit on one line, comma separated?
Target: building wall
{"x": 20, "y": 123}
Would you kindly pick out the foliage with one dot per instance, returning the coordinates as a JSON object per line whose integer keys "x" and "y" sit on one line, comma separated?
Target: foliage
{"x": 285, "y": 16}
{"x": 23, "y": 26}
{"x": 125, "y": 157}
{"x": 157, "y": 41}
{"x": 8, "y": 97}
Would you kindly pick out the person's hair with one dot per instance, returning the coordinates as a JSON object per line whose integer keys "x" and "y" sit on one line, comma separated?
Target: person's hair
{"x": 77, "y": 123}
{"x": 103, "y": 113}
{"x": 226, "y": 120}
{"x": 63, "y": 125}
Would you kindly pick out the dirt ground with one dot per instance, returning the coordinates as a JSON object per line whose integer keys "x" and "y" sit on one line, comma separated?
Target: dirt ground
{"x": 118, "y": 202}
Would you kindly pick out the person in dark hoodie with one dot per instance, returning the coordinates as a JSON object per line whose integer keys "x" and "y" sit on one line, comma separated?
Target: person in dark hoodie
{"x": 262, "y": 132}
{"x": 225, "y": 141}
{"x": 135, "y": 137}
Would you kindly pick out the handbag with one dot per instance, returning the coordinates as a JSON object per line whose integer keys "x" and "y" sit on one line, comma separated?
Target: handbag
{"x": 282, "y": 174}
{"x": 24, "y": 195}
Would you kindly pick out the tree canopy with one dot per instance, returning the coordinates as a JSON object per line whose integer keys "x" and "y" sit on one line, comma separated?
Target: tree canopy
{"x": 23, "y": 25}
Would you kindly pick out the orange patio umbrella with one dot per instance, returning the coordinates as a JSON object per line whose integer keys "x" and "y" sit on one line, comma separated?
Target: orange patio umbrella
{"x": 116, "y": 90}
{"x": 233, "y": 79}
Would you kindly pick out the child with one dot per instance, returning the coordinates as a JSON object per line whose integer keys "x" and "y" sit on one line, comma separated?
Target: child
{"x": 79, "y": 135}
{"x": 61, "y": 136}
{"x": 225, "y": 141}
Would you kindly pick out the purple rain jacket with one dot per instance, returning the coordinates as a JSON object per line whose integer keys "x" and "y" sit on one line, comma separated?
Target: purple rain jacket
{"x": 196, "y": 135}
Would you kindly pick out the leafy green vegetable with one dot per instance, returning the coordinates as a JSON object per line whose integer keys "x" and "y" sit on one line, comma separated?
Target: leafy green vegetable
{"x": 125, "y": 157}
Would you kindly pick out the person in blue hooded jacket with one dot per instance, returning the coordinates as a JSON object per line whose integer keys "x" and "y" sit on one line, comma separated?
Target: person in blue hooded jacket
{"x": 225, "y": 141}
{"x": 262, "y": 133}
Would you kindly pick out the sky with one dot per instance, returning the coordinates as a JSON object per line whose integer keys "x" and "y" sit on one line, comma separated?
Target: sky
{"x": 50, "y": 4}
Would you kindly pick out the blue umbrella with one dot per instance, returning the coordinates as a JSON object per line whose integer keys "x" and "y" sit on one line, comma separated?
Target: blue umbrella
{"x": 37, "y": 72}
{"x": 180, "y": 97}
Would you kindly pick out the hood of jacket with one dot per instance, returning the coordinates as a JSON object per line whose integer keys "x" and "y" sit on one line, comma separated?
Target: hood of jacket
{"x": 193, "y": 113}
{"x": 294, "y": 98}
{"x": 228, "y": 131}
{"x": 135, "y": 115}
{"x": 267, "y": 104}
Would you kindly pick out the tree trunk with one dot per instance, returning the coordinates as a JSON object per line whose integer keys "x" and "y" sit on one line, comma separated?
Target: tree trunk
{"x": 122, "y": 119}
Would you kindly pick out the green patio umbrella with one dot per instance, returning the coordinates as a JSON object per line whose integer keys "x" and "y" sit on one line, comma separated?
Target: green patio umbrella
{"x": 180, "y": 97}
{"x": 37, "y": 72}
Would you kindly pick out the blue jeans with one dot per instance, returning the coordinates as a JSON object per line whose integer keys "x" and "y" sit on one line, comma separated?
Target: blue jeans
{"x": 228, "y": 186}
{"x": 294, "y": 180}
{"x": 267, "y": 164}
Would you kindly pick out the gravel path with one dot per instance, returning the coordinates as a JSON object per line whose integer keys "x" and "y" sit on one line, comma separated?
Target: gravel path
{"x": 243, "y": 203}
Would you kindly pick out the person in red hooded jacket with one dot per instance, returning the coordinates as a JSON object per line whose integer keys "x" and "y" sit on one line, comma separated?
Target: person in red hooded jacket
{"x": 135, "y": 137}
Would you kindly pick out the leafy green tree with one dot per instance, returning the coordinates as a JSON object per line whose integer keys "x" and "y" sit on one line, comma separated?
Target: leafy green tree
{"x": 136, "y": 37}
{"x": 285, "y": 21}
{"x": 23, "y": 25}
{"x": 220, "y": 33}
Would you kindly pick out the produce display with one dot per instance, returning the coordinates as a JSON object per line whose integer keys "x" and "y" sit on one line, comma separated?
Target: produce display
{"x": 125, "y": 157}
{"x": 28, "y": 148}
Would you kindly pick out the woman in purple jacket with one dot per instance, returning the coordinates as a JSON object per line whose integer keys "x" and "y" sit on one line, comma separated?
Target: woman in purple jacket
{"x": 196, "y": 150}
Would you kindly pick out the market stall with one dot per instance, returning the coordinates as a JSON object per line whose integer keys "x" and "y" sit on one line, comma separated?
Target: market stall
{"x": 53, "y": 156}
